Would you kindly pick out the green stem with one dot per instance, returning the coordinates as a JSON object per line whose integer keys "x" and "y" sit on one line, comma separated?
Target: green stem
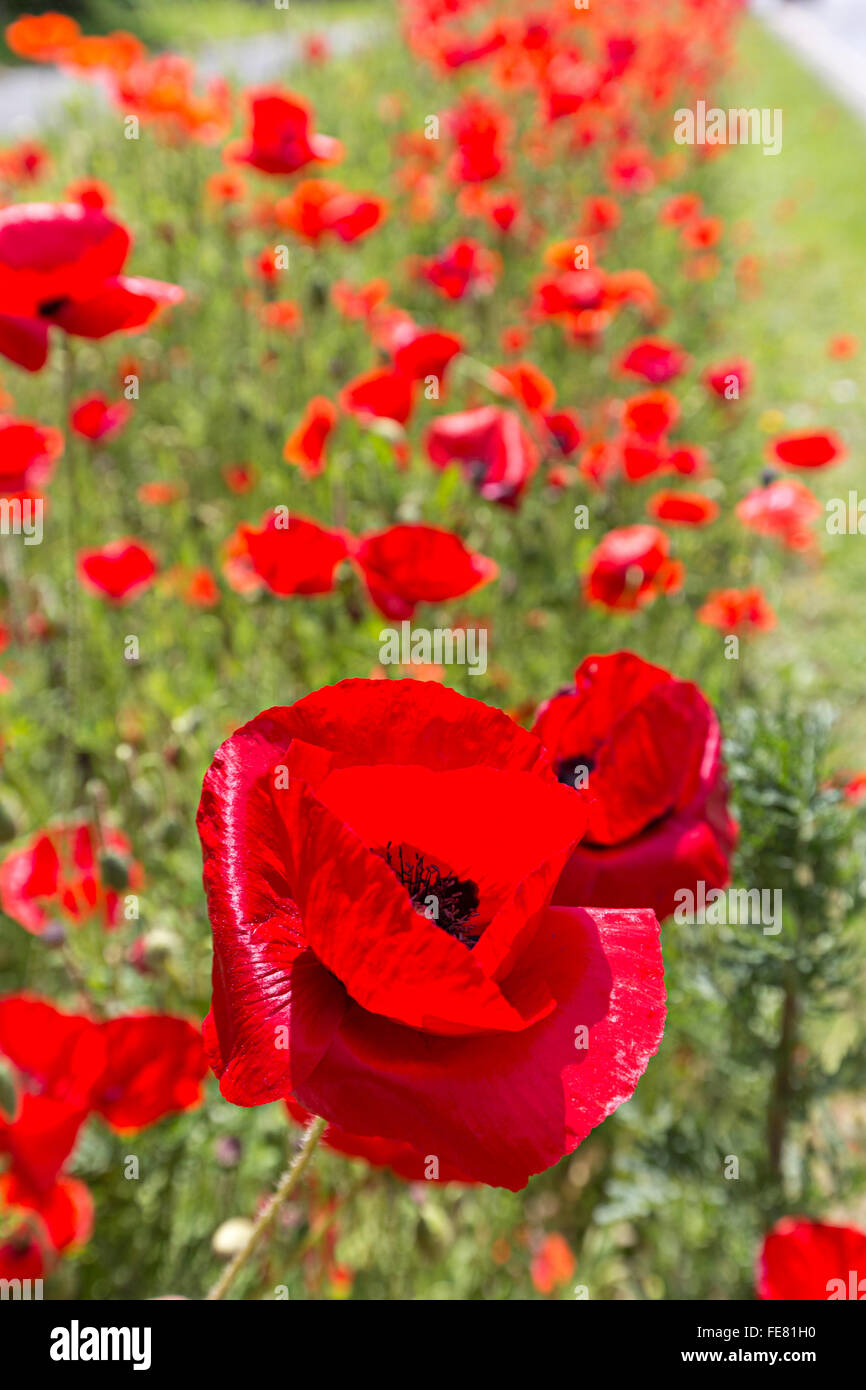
{"x": 285, "y": 1187}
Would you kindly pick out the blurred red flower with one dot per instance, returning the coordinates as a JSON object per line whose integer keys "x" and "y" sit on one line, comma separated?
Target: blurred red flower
{"x": 318, "y": 208}
{"x": 28, "y": 455}
{"x": 407, "y": 565}
{"x": 812, "y": 1261}
{"x": 60, "y": 874}
{"x": 807, "y": 449}
{"x": 630, "y": 567}
{"x": 119, "y": 571}
{"x": 682, "y": 508}
{"x": 654, "y": 359}
{"x": 737, "y": 611}
{"x": 463, "y": 268}
{"x": 786, "y": 509}
{"x": 60, "y": 265}
{"x": 94, "y": 419}
{"x": 492, "y": 447}
{"x": 286, "y": 554}
{"x": 305, "y": 446}
{"x": 131, "y": 1070}
{"x": 280, "y": 139}
{"x": 648, "y": 749}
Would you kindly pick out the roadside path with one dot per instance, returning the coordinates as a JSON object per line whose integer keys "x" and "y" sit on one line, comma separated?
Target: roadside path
{"x": 828, "y": 36}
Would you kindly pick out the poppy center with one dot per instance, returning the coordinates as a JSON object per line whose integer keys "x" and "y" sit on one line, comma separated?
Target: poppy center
{"x": 448, "y": 901}
{"x": 568, "y": 769}
{"x": 49, "y": 307}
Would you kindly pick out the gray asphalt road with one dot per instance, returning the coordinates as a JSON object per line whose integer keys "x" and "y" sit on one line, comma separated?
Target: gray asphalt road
{"x": 829, "y": 36}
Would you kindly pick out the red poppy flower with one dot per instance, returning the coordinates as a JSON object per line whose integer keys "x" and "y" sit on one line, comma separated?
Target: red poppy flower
{"x": 566, "y": 429}
{"x": 812, "y": 1261}
{"x": 37, "y": 1143}
{"x": 407, "y": 565}
{"x": 681, "y": 208}
{"x": 842, "y": 346}
{"x": 729, "y": 380}
{"x": 284, "y": 314}
{"x": 287, "y": 554}
{"x": 653, "y": 359}
{"x": 682, "y": 508}
{"x": 120, "y": 571}
{"x": 463, "y": 268}
{"x": 131, "y": 1070}
{"x": 90, "y": 193}
{"x": 318, "y": 208}
{"x": 159, "y": 494}
{"x": 640, "y": 458}
{"x": 688, "y": 459}
{"x": 21, "y": 1255}
{"x": 46, "y": 38}
{"x": 650, "y": 416}
{"x": 154, "y": 1066}
{"x": 529, "y": 385}
{"x": 806, "y": 450}
{"x": 28, "y": 455}
{"x": 60, "y": 264}
{"x": 280, "y": 139}
{"x": 422, "y": 352}
{"x": 480, "y": 130}
{"x": 786, "y": 509}
{"x": 553, "y": 1264}
{"x": 737, "y": 611}
{"x": 631, "y": 171}
{"x": 26, "y": 162}
{"x": 359, "y": 301}
{"x": 64, "y": 1208}
{"x": 240, "y": 477}
{"x": 630, "y": 567}
{"x": 400, "y": 1157}
{"x": 378, "y": 862}
{"x": 94, "y": 419}
{"x": 492, "y": 447}
{"x": 648, "y": 748}
{"x": 569, "y": 293}
{"x": 381, "y": 394}
{"x": 701, "y": 233}
{"x": 59, "y": 873}
{"x": 305, "y": 446}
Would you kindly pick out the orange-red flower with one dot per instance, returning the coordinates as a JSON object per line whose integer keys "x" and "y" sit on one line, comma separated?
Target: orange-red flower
{"x": 630, "y": 567}
{"x": 305, "y": 446}
{"x": 737, "y": 611}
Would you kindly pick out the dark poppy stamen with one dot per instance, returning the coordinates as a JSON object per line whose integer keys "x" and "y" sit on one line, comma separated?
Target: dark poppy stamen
{"x": 568, "y": 770}
{"x": 49, "y": 307}
{"x": 445, "y": 899}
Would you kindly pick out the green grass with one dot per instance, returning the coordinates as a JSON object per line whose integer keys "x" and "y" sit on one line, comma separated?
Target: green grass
{"x": 805, "y": 210}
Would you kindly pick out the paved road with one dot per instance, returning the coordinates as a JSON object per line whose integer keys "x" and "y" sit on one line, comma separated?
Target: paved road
{"x": 829, "y": 36}
{"x": 33, "y": 97}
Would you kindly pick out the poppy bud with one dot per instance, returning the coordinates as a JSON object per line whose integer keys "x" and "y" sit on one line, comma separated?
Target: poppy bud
{"x": 114, "y": 871}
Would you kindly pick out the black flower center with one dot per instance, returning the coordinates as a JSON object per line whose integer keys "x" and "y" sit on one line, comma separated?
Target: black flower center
{"x": 568, "y": 770}
{"x": 49, "y": 307}
{"x": 448, "y": 901}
